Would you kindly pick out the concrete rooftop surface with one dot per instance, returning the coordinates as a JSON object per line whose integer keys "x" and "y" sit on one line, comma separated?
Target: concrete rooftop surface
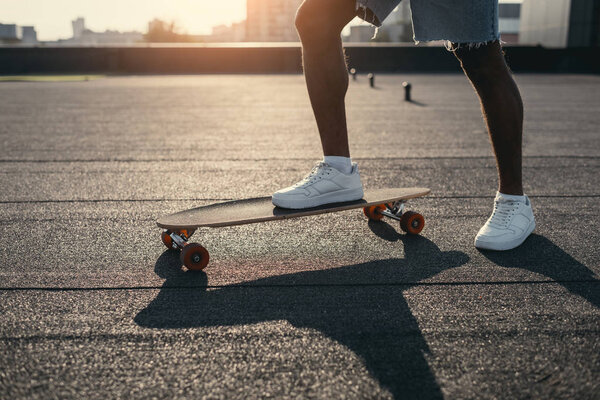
{"x": 329, "y": 306}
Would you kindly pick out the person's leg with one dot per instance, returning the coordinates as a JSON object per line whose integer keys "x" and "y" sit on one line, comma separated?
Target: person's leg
{"x": 319, "y": 24}
{"x": 474, "y": 24}
{"x": 501, "y": 106}
{"x": 512, "y": 220}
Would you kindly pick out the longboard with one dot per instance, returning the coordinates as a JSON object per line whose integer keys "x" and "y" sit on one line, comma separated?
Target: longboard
{"x": 376, "y": 204}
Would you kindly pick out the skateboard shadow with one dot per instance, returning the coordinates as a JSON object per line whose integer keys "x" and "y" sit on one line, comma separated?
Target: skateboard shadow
{"x": 360, "y": 306}
{"x": 541, "y": 256}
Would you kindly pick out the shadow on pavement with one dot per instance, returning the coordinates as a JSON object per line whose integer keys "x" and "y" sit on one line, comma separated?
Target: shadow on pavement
{"x": 360, "y": 306}
{"x": 417, "y": 103}
{"x": 541, "y": 256}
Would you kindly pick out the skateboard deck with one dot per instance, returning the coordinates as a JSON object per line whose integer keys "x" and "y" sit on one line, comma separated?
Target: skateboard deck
{"x": 376, "y": 204}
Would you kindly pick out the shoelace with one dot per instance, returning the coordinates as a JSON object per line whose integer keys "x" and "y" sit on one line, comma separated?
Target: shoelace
{"x": 503, "y": 213}
{"x": 315, "y": 174}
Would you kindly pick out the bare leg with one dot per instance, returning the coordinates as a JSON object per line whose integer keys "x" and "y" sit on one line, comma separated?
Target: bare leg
{"x": 319, "y": 24}
{"x": 502, "y": 109}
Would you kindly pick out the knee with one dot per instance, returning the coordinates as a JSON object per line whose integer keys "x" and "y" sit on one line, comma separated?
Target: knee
{"x": 313, "y": 22}
{"x": 483, "y": 64}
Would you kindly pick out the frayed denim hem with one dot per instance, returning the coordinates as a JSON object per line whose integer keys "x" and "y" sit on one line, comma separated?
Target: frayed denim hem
{"x": 453, "y": 46}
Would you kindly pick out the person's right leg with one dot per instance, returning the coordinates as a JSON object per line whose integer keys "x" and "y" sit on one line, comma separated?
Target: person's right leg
{"x": 319, "y": 24}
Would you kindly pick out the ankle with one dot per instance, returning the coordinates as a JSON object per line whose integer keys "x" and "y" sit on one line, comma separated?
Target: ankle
{"x": 342, "y": 164}
{"x": 511, "y": 190}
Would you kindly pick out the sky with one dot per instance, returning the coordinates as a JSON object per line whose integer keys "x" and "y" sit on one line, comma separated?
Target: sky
{"x": 52, "y": 18}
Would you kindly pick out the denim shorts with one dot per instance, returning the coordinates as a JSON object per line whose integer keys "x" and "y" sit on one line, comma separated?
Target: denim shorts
{"x": 456, "y": 21}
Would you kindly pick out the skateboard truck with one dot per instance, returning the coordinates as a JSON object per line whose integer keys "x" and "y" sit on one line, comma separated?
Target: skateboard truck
{"x": 193, "y": 255}
{"x": 410, "y": 221}
{"x": 394, "y": 210}
{"x": 179, "y": 240}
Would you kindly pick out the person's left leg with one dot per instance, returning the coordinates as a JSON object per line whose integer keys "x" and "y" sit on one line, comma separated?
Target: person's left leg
{"x": 512, "y": 220}
{"x": 474, "y": 24}
{"x": 501, "y": 106}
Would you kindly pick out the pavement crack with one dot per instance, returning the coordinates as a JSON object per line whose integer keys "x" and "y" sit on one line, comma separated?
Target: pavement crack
{"x": 315, "y": 285}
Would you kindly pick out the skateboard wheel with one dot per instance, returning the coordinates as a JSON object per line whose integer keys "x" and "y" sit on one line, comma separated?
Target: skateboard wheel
{"x": 194, "y": 256}
{"x": 412, "y": 222}
{"x": 371, "y": 212}
{"x": 166, "y": 239}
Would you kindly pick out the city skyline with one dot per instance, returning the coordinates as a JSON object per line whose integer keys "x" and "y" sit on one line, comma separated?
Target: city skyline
{"x": 53, "y": 21}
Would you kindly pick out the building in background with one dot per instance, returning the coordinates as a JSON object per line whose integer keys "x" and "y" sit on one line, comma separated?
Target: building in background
{"x": 560, "y": 23}
{"x": 509, "y": 21}
{"x": 10, "y": 33}
{"x": 29, "y": 35}
{"x": 14, "y": 34}
{"x": 397, "y": 27}
{"x": 78, "y": 26}
{"x": 86, "y": 37}
{"x": 271, "y": 20}
{"x": 235, "y": 32}
{"x": 360, "y": 33}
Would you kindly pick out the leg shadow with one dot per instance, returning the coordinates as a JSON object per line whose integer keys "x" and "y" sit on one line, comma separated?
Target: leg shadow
{"x": 360, "y": 306}
{"x": 540, "y": 255}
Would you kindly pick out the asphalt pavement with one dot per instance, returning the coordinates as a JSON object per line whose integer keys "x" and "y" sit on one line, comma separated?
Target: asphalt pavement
{"x": 329, "y": 306}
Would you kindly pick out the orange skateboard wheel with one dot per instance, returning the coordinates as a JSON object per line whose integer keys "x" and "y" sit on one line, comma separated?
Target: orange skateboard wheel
{"x": 412, "y": 222}
{"x": 194, "y": 256}
{"x": 166, "y": 239}
{"x": 371, "y": 212}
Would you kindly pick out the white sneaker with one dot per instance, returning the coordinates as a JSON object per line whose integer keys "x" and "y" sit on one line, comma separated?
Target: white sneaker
{"x": 508, "y": 226}
{"x": 323, "y": 185}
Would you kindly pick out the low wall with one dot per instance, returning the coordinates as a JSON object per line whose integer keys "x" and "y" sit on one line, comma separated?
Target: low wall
{"x": 173, "y": 59}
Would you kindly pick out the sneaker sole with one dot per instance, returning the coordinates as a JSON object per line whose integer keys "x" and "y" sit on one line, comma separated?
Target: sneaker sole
{"x": 338, "y": 196}
{"x": 483, "y": 245}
